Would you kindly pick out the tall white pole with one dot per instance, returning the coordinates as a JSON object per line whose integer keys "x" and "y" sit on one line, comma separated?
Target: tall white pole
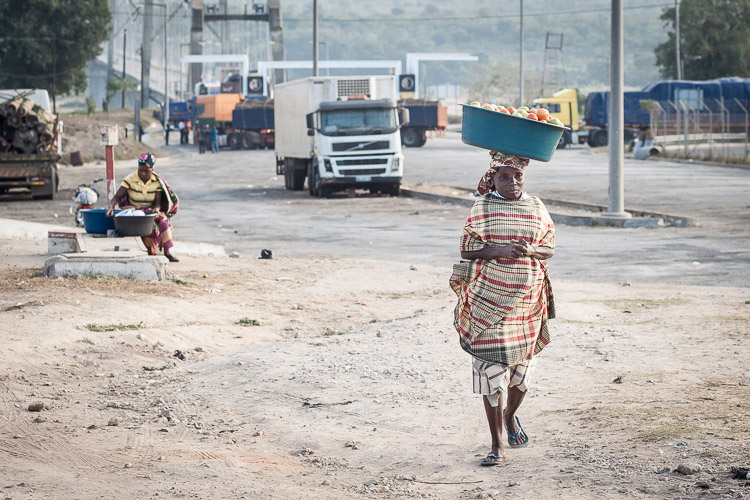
{"x": 520, "y": 61}
{"x": 315, "y": 38}
{"x": 166, "y": 69}
{"x": 677, "y": 37}
{"x": 616, "y": 205}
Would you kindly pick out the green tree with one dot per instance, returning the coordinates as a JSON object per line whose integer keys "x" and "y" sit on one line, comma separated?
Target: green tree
{"x": 47, "y": 43}
{"x": 714, "y": 40}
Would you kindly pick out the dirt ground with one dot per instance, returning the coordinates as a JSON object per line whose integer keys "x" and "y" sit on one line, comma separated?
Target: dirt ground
{"x": 343, "y": 378}
{"x": 81, "y": 133}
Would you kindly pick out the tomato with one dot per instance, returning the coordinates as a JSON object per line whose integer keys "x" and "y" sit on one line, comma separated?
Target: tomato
{"x": 532, "y": 116}
{"x": 542, "y": 114}
{"x": 511, "y": 110}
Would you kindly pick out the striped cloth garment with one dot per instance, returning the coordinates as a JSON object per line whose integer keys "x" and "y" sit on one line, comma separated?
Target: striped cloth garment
{"x": 141, "y": 194}
{"x": 503, "y": 305}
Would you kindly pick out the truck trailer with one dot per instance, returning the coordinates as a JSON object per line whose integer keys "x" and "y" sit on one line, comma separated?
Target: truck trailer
{"x": 338, "y": 132}
{"x": 664, "y": 104}
{"x": 424, "y": 116}
{"x": 29, "y": 143}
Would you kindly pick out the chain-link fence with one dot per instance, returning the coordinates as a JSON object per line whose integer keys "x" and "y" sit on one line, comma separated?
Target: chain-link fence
{"x": 702, "y": 128}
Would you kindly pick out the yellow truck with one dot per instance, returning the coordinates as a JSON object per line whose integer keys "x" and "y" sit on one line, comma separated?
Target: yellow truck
{"x": 564, "y": 105}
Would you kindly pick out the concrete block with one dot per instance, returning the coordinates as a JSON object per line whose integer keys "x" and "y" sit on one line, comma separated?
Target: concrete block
{"x": 644, "y": 222}
{"x": 65, "y": 242}
{"x": 113, "y": 264}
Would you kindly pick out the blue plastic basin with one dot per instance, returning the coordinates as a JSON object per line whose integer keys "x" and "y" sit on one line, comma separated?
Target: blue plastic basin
{"x": 96, "y": 221}
{"x": 510, "y": 134}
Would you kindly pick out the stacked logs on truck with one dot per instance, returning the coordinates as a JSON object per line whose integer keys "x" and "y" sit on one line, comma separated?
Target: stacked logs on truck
{"x": 25, "y": 128}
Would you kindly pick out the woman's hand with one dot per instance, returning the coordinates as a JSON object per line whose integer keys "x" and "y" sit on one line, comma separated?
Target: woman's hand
{"x": 512, "y": 250}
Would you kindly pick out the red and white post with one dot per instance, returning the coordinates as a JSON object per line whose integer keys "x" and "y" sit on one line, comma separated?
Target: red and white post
{"x": 109, "y": 139}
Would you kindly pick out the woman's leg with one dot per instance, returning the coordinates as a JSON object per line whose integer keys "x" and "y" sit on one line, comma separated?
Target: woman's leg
{"x": 515, "y": 398}
{"x": 494, "y": 419}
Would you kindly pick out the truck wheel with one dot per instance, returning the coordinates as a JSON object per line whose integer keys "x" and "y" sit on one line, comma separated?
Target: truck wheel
{"x": 50, "y": 190}
{"x": 393, "y": 189}
{"x": 288, "y": 169}
{"x": 312, "y": 177}
{"x": 235, "y": 141}
{"x": 564, "y": 140}
{"x": 410, "y": 137}
{"x": 251, "y": 140}
{"x": 599, "y": 139}
{"x": 298, "y": 179}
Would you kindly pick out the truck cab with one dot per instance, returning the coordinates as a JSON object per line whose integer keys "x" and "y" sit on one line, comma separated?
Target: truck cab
{"x": 356, "y": 142}
{"x": 564, "y": 105}
{"x": 339, "y": 132}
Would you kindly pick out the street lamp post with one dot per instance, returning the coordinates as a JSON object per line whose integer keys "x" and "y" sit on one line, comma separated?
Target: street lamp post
{"x": 677, "y": 37}
{"x": 124, "y": 45}
{"x": 166, "y": 65}
{"x": 520, "y": 61}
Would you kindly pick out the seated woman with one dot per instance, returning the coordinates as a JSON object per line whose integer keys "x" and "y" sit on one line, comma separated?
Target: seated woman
{"x": 148, "y": 191}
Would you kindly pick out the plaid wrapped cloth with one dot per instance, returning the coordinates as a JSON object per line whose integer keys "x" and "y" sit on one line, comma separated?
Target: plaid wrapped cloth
{"x": 503, "y": 305}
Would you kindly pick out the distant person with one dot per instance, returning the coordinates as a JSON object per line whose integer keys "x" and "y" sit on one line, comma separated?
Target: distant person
{"x": 105, "y": 106}
{"x": 181, "y": 128}
{"x": 642, "y": 149}
{"x": 188, "y": 129}
{"x": 202, "y": 137}
{"x": 504, "y": 295}
{"x": 146, "y": 190}
{"x": 167, "y": 126}
{"x": 214, "y": 134}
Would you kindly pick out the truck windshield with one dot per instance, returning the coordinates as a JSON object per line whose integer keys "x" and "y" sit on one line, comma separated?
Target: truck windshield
{"x": 358, "y": 121}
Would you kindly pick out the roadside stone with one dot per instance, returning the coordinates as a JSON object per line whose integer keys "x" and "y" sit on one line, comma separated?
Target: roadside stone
{"x": 325, "y": 482}
{"x": 113, "y": 422}
{"x": 489, "y": 494}
{"x": 234, "y": 255}
{"x": 304, "y": 452}
{"x": 689, "y": 468}
{"x": 39, "y": 420}
{"x": 36, "y": 406}
{"x": 128, "y": 465}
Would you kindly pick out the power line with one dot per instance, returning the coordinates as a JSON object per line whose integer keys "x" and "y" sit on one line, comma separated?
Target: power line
{"x": 474, "y": 18}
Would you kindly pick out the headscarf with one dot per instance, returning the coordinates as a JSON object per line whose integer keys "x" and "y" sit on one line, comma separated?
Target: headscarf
{"x": 486, "y": 184}
{"x": 147, "y": 159}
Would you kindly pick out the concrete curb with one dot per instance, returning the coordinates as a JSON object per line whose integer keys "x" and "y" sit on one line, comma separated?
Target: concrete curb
{"x": 134, "y": 267}
{"x": 639, "y": 219}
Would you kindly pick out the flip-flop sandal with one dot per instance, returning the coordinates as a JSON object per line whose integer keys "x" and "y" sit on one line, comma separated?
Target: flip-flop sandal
{"x": 515, "y": 437}
{"x": 492, "y": 459}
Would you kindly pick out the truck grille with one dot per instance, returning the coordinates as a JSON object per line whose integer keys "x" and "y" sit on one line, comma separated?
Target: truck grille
{"x": 363, "y": 171}
{"x": 354, "y": 87}
{"x": 371, "y": 161}
{"x": 353, "y": 146}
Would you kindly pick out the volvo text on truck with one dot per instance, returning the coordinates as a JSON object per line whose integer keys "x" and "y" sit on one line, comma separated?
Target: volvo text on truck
{"x": 339, "y": 132}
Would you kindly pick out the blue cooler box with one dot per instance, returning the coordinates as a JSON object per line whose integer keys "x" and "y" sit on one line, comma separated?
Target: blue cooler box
{"x": 510, "y": 134}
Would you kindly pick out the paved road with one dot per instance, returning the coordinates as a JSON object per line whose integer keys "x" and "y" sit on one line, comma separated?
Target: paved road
{"x": 235, "y": 199}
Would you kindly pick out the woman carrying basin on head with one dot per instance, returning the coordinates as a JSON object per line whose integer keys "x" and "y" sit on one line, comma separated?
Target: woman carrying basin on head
{"x": 146, "y": 190}
{"x": 504, "y": 295}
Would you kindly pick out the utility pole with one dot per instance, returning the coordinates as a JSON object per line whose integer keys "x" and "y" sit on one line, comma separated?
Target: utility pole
{"x": 196, "y": 42}
{"x": 148, "y": 27}
{"x": 166, "y": 63}
{"x": 315, "y": 37}
{"x": 616, "y": 205}
{"x": 124, "y": 52}
{"x": 520, "y": 61}
{"x": 677, "y": 37}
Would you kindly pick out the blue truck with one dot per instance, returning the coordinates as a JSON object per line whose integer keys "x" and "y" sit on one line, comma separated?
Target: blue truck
{"x": 727, "y": 97}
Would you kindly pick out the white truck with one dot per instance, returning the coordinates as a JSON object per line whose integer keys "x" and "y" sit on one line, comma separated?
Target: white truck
{"x": 339, "y": 132}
